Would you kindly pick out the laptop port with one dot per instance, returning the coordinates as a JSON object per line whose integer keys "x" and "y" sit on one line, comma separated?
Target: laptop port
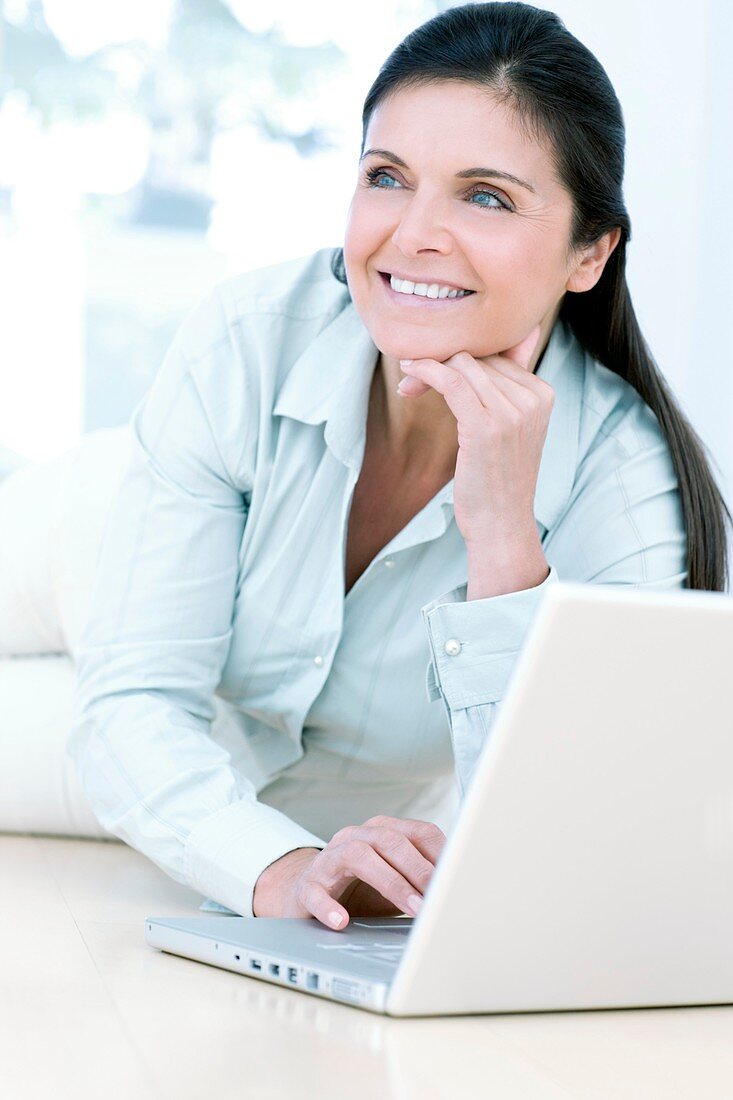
{"x": 293, "y": 974}
{"x": 311, "y": 981}
{"x": 344, "y": 990}
{"x": 275, "y": 969}
{"x": 255, "y": 964}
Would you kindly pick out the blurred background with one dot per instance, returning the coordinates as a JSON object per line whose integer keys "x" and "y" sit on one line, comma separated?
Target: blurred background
{"x": 149, "y": 149}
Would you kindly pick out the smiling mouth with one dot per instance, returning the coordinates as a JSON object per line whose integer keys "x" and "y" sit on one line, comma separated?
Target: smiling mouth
{"x": 421, "y": 299}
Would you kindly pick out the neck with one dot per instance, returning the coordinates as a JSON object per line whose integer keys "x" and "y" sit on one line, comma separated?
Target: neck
{"x": 412, "y": 430}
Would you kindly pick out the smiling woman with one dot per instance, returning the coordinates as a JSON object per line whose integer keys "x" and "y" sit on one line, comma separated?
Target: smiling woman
{"x": 332, "y": 558}
{"x": 543, "y": 237}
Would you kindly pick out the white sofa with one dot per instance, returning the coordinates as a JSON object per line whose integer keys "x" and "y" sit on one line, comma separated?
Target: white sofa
{"x": 52, "y": 515}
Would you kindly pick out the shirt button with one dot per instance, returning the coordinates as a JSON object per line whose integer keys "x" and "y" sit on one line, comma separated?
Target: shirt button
{"x": 318, "y": 661}
{"x": 452, "y": 647}
{"x": 388, "y": 562}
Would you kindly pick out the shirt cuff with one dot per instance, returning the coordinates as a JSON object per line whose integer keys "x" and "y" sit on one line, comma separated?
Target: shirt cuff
{"x": 474, "y": 643}
{"x": 227, "y": 851}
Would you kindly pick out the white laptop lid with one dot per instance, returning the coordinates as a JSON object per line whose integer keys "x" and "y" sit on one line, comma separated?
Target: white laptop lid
{"x": 592, "y": 862}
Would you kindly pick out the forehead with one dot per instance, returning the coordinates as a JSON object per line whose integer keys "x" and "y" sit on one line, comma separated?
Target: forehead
{"x": 454, "y": 124}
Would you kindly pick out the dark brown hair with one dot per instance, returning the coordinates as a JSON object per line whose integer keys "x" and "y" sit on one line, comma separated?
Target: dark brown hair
{"x": 563, "y": 97}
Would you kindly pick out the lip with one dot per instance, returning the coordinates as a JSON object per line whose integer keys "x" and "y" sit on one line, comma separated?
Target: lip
{"x": 419, "y": 301}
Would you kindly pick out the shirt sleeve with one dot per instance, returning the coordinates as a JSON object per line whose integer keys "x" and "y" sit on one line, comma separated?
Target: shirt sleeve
{"x": 153, "y": 648}
{"x": 622, "y": 525}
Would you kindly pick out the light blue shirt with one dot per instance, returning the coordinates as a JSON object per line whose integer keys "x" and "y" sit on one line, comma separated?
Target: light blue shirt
{"x": 232, "y": 704}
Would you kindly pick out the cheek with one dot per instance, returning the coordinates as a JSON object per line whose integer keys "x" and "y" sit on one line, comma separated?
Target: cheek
{"x": 514, "y": 272}
{"x": 366, "y": 227}
{"x": 504, "y": 254}
{"x": 359, "y": 222}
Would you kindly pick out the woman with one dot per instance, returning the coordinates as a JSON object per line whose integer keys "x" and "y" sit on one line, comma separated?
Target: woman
{"x": 364, "y": 466}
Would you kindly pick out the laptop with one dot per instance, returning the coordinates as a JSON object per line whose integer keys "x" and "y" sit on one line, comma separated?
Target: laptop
{"x": 591, "y": 863}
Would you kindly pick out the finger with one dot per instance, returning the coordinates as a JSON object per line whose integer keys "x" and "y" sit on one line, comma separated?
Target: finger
{"x": 412, "y": 387}
{"x": 358, "y": 858}
{"x": 488, "y": 381}
{"x": 458, "y": 393}
{"x": 315, "y": 898}
{"x": 398, "y": 850}
{"x": 504, "y": 374}
{"x": 478, "y": 393}
{"x": 428, "y": 838}
{"x": 526, "y": 393}
{"x": 525, "y": 380}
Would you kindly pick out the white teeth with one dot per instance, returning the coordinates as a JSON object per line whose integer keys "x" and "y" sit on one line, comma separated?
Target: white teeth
{"x": 425, "y": 290}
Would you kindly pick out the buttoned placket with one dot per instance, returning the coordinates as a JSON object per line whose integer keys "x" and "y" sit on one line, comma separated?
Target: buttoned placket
{"x": 341, "y": 400}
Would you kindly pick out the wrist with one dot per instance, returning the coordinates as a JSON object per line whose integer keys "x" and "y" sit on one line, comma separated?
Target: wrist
{"x": 505, "y": 539}
{"x": 497, "y": 567}
{"x": 272, "y": 883}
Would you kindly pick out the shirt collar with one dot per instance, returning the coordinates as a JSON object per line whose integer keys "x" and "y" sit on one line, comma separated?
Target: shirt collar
{"x": 330, "y": 381}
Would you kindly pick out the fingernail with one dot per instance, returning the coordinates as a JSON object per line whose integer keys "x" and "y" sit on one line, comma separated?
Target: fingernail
{"x": 405, "y": 361}
{"x": 414, "y": 902}
{"x": 336, "y": 919}
{"x": 401, "y": 384}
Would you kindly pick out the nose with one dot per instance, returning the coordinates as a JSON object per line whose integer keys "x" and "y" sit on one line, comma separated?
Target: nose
{"x": 421, "y": 228}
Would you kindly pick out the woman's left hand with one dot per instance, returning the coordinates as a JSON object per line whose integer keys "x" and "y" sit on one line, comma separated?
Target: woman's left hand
{"x": 503, "y": 411}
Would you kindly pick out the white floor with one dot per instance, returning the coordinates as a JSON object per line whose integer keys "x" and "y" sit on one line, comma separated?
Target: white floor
{"x": 88, "y": 1010}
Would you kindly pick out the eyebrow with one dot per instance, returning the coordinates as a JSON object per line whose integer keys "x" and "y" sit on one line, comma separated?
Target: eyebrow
{"x": 466, "y": 173}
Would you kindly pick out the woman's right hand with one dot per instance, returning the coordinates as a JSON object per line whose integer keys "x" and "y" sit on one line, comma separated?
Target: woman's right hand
{"x": 377, "y": 869}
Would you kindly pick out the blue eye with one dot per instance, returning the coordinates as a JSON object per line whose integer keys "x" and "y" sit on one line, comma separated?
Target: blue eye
{"x": 373, "y": 174}
{"x": 492, "y": 195}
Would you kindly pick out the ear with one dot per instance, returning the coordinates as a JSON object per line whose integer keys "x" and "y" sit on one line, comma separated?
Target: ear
{"x": 590, "y": 267}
